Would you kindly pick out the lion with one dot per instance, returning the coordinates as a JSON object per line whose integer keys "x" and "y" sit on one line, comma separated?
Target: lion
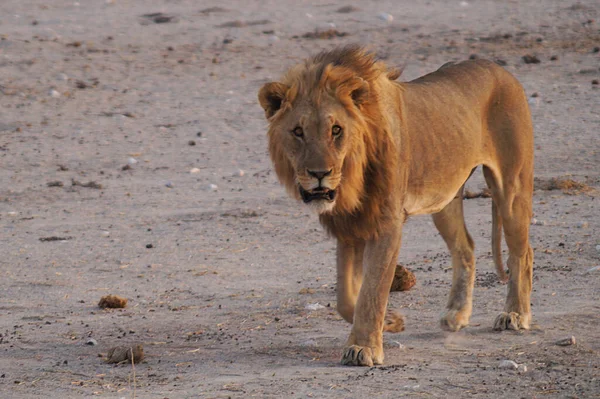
{"x": 365, "y": 152}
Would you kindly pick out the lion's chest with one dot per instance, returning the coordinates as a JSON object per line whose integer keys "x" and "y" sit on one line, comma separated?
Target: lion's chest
{"x": 425, "y": 203}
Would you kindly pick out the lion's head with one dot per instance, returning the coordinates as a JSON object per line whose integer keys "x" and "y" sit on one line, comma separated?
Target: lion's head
{"x": 324, "y": 124}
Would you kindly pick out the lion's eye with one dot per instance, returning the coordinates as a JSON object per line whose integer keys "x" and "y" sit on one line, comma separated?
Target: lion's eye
{"x": 336, "y": 130}
{"x": 298, "y": 132}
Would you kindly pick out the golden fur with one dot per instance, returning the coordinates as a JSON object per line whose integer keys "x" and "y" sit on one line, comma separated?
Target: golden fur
{"x": 366, "y": 152}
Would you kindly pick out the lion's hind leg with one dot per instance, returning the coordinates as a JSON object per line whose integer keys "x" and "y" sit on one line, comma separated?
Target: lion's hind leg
{"x": 450, "y": 223}
{"x": 514, "y": 203}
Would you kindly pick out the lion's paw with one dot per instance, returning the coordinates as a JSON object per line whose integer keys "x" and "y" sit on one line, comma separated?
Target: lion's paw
{"x": 454, "y": 320}
{"x": 511, "y": 321}
{"x": 394, "y": 322}
{"x": 360, "y": 356}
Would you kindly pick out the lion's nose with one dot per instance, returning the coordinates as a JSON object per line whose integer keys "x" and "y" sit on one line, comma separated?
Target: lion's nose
{"x": 319, "y": 174}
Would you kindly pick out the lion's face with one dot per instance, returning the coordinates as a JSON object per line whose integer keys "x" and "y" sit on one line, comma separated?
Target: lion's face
{"x": 311, "y": 138}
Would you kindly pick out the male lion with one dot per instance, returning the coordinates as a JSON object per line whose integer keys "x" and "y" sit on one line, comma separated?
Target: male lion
{"x": 366, "y": 152}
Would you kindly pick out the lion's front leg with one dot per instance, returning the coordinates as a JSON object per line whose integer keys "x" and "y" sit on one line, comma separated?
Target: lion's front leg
{"x": 365, "y": 344}
{"x": 349, "y": 276}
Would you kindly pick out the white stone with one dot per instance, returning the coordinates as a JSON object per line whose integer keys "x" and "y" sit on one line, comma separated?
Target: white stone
{"x": 239, "y": 173}
{"x": 194, "y": 170}
{"x": 314, "y": 306}
{"x": 106, "y": 233}
{"x": 54, "y": 94}
{"x": 384, "y": 16}
{"x": 508, "y": 364}
{"x": 593, "y": 269}
{"x": 273, "y": 38}
{"x": 62, "y": 76}
{"x": 464, "y": 4}
{"x": 132, "y": 161}
{"x": 211, "y": 187}
{"x": 598, "y": 248}
{"x": 522, "y": 368}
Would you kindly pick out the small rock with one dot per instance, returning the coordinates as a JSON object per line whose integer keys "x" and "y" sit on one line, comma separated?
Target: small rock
{"x": 62, "y": 77}
{"x": 347, "y": 9}
{"x": 554, "y": 58}
{"x": 169, "y": 184}
{"x": 384, "y": 16}
{"x": 56, "y": 183}
{"x": 593, "y": 269}
{"x": 595, "y": 82}
{"x": 112, "y": 302}
{"x": 272, "y": 38}
{"x": 191, "y": 143}
{"x": 239, "y": 173}
{"x": 522, "y": 368}
{"x": 598, "y": 247}
{"x": 464, "y": 4}
{"x": 566, "y": 341}
{"x": 194, "y": 170}
{"x": 131, "y": 161}
{"x": 538, "y": 222}
{"x": 132, "y": 354}
{"x": 508, "y": 364}
{"x": 404, "y": 279}
{"x": 54, "y": 94}
{"x": 309, "y": 343}
{"x": 91, "y": 342}
{"x": 305, "y": 291}
{"x": 531, "y": 59}
{"x": 314, "y": 306}
{"x": 582, "y": 225}
{"x": 106, "y": 234}
{"x": 149, "y": 246}
{"x": 211, "y": 187}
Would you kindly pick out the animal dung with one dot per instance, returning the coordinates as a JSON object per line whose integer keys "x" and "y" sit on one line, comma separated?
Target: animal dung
{"x": 122, "y": 354}
{"x": 112, "y": 302}
{"x": 404, "y": 279}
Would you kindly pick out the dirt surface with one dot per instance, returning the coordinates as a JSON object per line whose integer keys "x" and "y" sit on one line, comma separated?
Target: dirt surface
{"x": 146, "y": 113}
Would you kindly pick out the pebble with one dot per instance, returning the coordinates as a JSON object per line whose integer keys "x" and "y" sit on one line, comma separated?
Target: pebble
{"x": 593, "y": 269}
{"x": 273, "y": 39}
{"x": 566, "y": 341}
{"x": 314, "y": 306}
{"x": 464, "y": 4}
{"x": 508, "y": 364}
{"x": 106, "y": 233}
{"x": 310, "y": 343}
{"x": 54, "y": 94}
{"x": 132, "y": 161}
{"x": 62, "y": 76}
{"x": 169, "y": 184}
{"x": 538, "y": 222}
{"x": 522, "y": 368}
{"x": 239, "y": 173}
{"x": 582, "y": 225}
{"x": 194, "y": 170}
{"x": 211, "y": 187}
{"x": 384, "y": 16}
{"x": 91, "y": 342}
{"x": 598, "y": 247}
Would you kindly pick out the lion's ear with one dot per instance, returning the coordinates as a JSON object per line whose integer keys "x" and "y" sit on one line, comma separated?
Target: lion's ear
{"x": 360, "y": 93}
{"x": 356, "y": 88}
{"x": 271, "y": 97}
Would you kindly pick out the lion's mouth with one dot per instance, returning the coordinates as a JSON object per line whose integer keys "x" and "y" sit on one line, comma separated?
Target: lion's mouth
{"x": 319, "y": 193}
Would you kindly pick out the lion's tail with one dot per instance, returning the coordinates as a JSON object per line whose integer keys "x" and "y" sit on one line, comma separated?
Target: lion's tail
{"x": 497, "y": 242}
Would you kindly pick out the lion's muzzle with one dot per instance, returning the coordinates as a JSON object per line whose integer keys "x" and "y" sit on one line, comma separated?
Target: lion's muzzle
{"x": 319, "y": 193}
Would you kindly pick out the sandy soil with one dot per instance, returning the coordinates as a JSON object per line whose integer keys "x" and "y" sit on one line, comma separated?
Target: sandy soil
{"x": 218, "y": 268}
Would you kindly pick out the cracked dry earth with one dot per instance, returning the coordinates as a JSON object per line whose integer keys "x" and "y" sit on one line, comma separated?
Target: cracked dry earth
{"x": 107, "y": 106}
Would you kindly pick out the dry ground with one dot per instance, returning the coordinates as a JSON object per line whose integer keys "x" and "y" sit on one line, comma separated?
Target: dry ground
{"x": 219, "y": 297}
